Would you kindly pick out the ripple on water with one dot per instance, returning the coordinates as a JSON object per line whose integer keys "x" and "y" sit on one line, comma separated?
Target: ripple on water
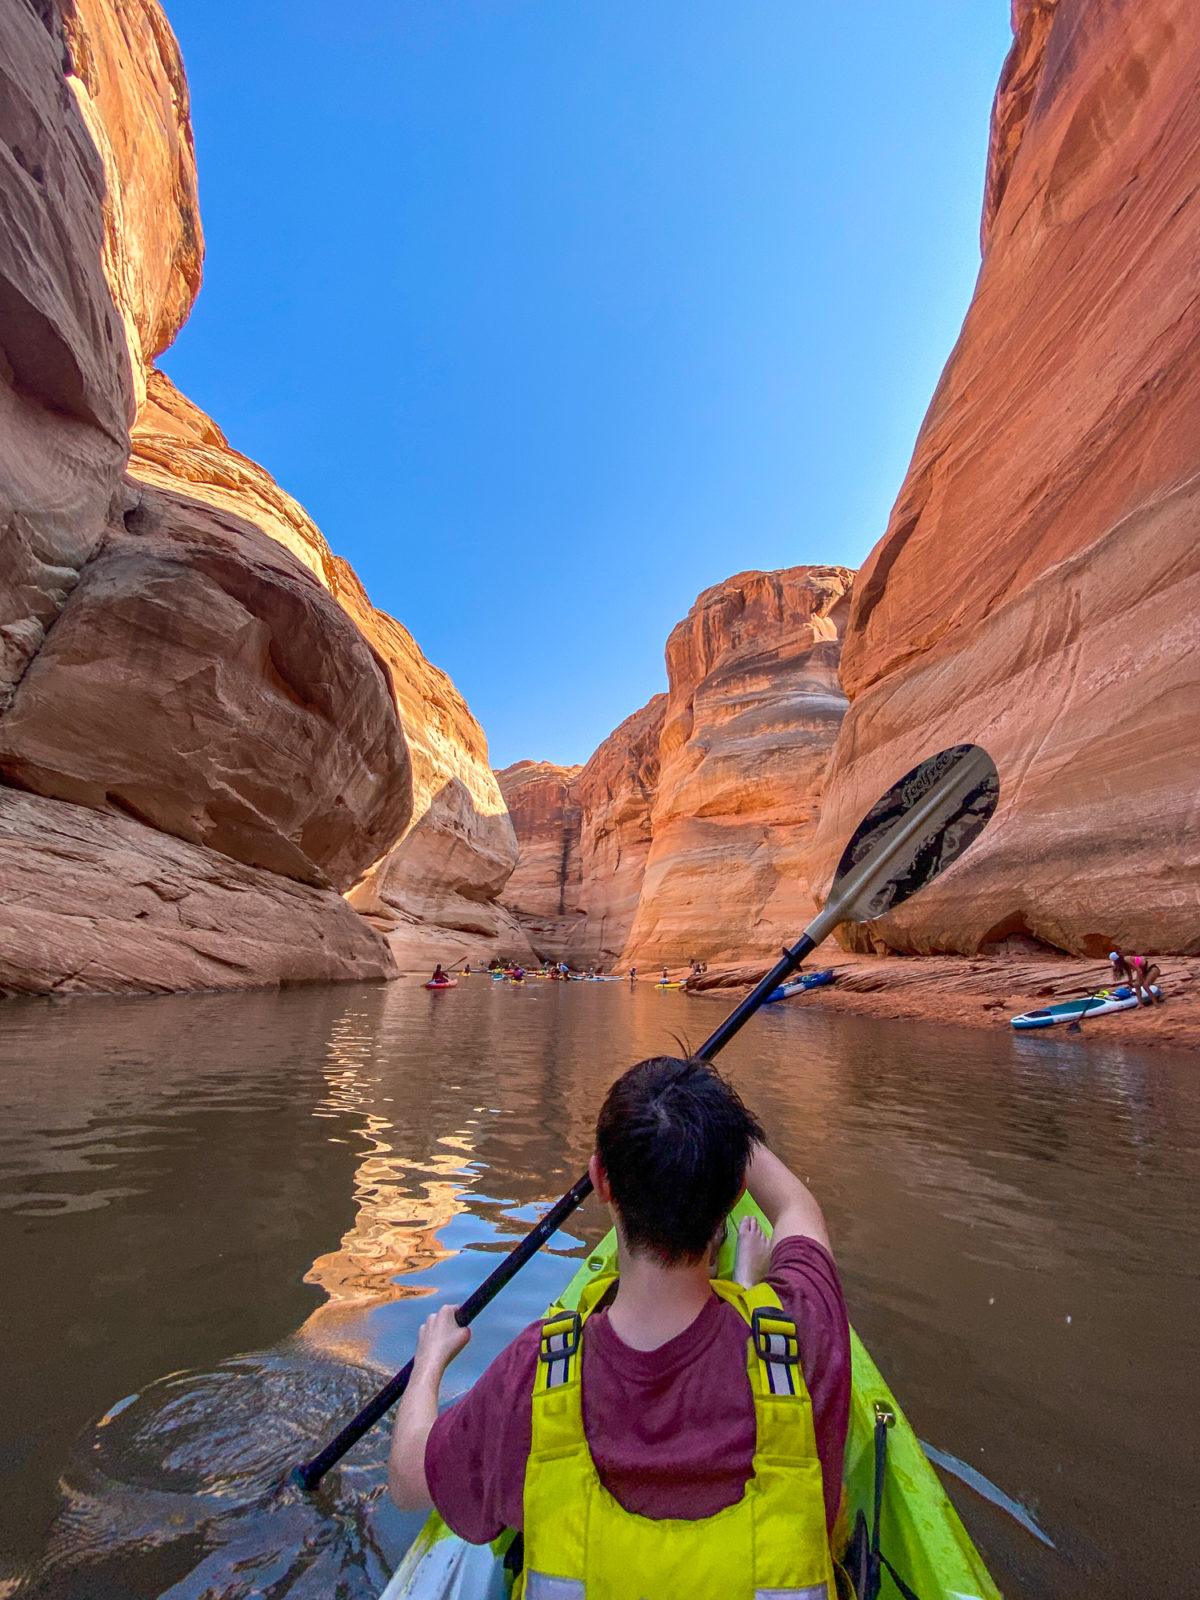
{"x": 182, "y": 1489}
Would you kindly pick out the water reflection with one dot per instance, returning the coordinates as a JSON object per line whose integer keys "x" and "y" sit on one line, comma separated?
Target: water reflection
{"x": 301, "y": 1176}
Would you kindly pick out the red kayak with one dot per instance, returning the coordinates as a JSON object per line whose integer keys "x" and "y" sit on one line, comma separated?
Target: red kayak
{"x": 450, "y": 983}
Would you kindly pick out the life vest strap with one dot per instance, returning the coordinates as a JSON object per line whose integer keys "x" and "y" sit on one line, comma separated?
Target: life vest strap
{"x": 777, "y": 1345}
{"x": 558, "y": 1346}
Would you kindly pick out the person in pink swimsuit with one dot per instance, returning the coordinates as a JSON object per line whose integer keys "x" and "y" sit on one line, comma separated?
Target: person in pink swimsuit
{"x": 1139, "y": 972}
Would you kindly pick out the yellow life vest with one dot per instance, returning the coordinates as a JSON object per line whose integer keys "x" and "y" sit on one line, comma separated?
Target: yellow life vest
{"x": 772, "y": 1544}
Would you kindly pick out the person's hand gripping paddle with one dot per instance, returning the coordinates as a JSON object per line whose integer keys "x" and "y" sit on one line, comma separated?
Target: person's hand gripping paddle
{"x": 911, "y": 834}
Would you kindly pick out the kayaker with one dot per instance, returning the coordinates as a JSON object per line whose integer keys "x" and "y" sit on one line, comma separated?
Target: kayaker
{"x": 1139, "y": 973}
{"x": 438, "y": 975}
{"x": 668, "y": 1422}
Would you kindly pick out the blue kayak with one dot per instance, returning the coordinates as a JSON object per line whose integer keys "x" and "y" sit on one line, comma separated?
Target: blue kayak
{"x": 810, "y": 980}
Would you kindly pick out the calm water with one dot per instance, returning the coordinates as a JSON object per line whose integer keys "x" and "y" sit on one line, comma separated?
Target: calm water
{"x": 220, "y": 1217}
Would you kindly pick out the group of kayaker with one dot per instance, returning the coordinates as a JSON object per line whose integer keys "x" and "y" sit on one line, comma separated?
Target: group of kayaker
{"x": 633, "y": 1446}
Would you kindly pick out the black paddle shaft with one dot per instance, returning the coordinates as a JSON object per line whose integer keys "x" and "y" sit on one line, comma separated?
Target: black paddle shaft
{"x": 310, "y": 1473}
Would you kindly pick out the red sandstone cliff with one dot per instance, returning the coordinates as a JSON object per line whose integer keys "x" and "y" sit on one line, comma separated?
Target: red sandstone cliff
{"x": 689, "y": 832}
{"x": 206, "y": 731}
{"x": 1038, "y": 585}
{"x": 615, "y": 792}
{"x": 753, "y": 707}
{"x": 545, "y": 890}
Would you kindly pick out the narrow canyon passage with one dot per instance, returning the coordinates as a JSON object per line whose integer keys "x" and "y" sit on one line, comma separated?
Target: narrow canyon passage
{"x": 1016, "y": 1222}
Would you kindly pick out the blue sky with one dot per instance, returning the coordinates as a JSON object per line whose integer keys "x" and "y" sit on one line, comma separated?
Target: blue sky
{"x": 555, "y": 312}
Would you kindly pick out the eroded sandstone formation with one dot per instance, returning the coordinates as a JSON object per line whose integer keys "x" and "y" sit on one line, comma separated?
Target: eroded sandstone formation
{"x": 615, "y": 792}
{"x": 753, "y": 707}
{"x": 1038, "y": 585}
{"x": 545, "y": 890}
{"x": 688, "y": 835}
{"x": 97, "y": 904}
{"x": 435, "y": 891}
{"x": 66, "y": 391}
{"x": 180, "y": 652}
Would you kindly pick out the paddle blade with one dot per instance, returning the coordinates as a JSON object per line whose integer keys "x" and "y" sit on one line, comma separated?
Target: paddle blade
{"x": 915, "y": 831}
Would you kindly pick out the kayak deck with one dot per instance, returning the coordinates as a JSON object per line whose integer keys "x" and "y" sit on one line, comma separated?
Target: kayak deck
{"x": 921, "y": 1534}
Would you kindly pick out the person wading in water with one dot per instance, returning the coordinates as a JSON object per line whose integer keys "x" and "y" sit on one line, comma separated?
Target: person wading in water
{"x": 679, "y": 1435}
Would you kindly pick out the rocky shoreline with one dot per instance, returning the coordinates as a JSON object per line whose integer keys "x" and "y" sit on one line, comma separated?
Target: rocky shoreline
{"x": 986, "y": 992}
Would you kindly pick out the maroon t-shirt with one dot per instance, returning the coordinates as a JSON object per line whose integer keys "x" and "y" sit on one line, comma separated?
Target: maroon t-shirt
{"x": 671, "y": 1431}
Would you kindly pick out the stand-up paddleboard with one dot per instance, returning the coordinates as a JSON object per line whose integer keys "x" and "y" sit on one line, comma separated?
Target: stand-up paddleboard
{"x": 810, "y": 980}
{"x": 1092, "y": 1005}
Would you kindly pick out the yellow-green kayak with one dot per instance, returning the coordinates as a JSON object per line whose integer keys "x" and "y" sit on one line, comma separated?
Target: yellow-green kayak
{"x": 921, "y": 1537}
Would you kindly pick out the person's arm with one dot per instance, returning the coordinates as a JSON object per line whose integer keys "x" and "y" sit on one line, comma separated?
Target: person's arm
{"x": 438, "y": 1343}
{"x": 787, "y": 1203}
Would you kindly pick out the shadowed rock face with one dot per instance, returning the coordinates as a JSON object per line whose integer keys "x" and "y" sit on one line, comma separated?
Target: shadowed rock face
{"x": 435, "y": 890}
{"x": 545, "y": 889}
{"x": 66, "y": 393}
{"x": 97, "y": 904}
{"x": 752, "y": 711}
{"x": 1038, "y": 585}
{"x": 201, "y": 681}
{"x": 180, "y": 652}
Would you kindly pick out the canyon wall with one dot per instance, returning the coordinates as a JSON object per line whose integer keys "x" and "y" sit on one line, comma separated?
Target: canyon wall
{"x": 753, "y": 707}
{"x": 545, "y": 890}
{"x": 207, "y": 733}
{"x": 1038, "y": 585}
{"x": 689, "y": 833}
{"x": 615, "y": 792}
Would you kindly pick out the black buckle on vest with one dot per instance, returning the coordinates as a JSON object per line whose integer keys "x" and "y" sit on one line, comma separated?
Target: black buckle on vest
{"x": 567, "y": 1325}
{"x": 783, "y": 1328}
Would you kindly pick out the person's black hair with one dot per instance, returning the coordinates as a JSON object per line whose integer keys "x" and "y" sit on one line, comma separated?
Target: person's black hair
{"x": 675, "y": 1140}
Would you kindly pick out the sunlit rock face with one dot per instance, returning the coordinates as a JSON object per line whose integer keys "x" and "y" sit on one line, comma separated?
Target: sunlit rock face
{"x": 128, "y": 80}
{"x": 753, "y": 707}
{"x": 180, "y": 651}
{"x": 545, "y": 890}
{"x": 1038, "y": 585}
{"x": 689, "y": 833}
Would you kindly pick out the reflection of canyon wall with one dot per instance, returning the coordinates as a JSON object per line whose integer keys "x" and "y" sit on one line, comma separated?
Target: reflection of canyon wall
{"x": 689, "y": 832}
{"x": 1038, "y": 585}
{"x": 180, "y": 653}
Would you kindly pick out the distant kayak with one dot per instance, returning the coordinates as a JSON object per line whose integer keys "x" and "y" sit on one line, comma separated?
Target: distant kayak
{"x": 450, "y": 983}
{"x": 810, "y": 980}
{"x": 675, "y": 983}
{"x": 1092, "y": 1005}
